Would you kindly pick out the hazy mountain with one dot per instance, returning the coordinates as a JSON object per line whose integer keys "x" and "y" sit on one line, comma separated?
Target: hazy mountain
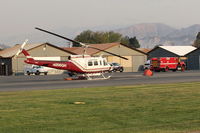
{"x": 146, "y": 30}
{"x": 41, "y": 37}
{"x": 148, "y": 34}
{"x": 2, "y": 46}
{"x": 151, "y": 34}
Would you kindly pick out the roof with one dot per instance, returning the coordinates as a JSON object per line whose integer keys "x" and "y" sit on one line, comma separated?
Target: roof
{"x": 192, "y": 51}
{"x": 10, "y": 52}
{"x": 178, "y": 50}
{"x": 91, "y": 51}
{"x": 145, "y": 50}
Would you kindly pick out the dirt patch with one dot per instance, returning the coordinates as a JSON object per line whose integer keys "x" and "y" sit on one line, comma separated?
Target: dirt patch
{"x": 193, "y": 132}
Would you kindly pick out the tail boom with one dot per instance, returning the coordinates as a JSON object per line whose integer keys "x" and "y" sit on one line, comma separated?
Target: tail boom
{"x": 29, "y": 59}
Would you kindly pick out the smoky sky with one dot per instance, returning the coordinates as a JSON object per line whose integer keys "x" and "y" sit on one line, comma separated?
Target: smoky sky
{"x": 21, "y": 16}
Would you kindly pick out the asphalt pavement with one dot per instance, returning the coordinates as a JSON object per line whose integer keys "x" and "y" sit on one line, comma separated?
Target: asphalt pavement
{"x": 41, "y": 82}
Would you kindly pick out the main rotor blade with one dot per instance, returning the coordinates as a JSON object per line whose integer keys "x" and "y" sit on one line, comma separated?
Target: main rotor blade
{"x": 109, "y": 52}
{"x": 79, "y": 42}
{"x": 59, "y": 36}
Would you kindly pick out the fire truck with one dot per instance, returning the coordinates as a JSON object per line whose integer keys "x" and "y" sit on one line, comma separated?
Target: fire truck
{"x": 167, "y": 63}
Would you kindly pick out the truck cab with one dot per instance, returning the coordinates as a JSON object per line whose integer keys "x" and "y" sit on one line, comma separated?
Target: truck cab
{"x": 34, "y": 69}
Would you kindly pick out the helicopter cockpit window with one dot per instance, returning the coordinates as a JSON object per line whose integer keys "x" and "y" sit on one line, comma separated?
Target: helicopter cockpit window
{"x": 96, "y": 63}
{"x": 104, "y": 63}
{"x": 90, "y": 63}
{"x": 100, "y": 62}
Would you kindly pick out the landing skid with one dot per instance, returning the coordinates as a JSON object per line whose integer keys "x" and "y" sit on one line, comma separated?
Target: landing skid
{"x": 98, "y": 76}
{"x": 91, "y": 76}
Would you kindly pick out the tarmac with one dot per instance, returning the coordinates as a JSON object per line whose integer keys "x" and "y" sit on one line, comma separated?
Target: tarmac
{"x": 42, "y": 82}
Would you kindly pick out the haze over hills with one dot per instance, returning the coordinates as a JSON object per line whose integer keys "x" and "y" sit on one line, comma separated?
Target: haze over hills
{"x": 148, "y": 34}
{"x": 41, "y": 37}
{"x": 2, "y": 46}
{"x": 151, "y": 34}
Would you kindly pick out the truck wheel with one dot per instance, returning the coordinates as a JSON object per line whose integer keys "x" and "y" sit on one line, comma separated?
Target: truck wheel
{"x": 37, "y": 73}
{"x": 45, "y": 73}
{"x": 183, "y": 68}
{"x": 157, "y": 70}
{"x": 174, "y": 70}
{"x": 165, "y": 69}
{"x": 28, "y": 73}
{"x": 121, "y": 70}
{"x": 179, "y": 68}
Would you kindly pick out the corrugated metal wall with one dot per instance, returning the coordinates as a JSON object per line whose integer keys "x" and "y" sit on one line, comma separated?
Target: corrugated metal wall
{"x": 193, "y": 61}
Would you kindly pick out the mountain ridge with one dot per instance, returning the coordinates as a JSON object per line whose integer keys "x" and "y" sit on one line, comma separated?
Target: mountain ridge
{"x": 152, "y": 34}
{"x": 148, "y": 34}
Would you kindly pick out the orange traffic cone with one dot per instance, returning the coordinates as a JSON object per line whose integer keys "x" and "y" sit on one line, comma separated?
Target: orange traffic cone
{"x": 148, "y": 72}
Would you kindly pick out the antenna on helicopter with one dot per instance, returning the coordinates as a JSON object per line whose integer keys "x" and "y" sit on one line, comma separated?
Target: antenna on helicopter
{"x": 82, "y": 44}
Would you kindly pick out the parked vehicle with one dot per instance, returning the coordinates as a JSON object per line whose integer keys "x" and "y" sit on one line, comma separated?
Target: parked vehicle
{"x": 116, "y": 67}
{"x": 34, "y": 69}
{"x": 147, "y": 65}
{"x": 167, "y": 63}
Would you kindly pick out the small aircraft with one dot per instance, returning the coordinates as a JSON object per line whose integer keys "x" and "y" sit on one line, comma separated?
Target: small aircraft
{"x": 84, "y": 66}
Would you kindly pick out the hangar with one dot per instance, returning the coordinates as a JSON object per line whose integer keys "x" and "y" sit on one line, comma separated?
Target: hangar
{"x": 170, "y": 51}
{"x": 15, "y": 65}
{"x": 136, "y": 57}
{"x": 189, "y": 54}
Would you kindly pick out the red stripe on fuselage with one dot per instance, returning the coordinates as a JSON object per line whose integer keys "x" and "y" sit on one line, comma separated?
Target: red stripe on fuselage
{"x": 66, "y": 65}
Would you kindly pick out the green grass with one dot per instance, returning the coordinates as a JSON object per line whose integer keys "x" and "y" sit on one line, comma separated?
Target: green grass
{"x": 165, "y": 108}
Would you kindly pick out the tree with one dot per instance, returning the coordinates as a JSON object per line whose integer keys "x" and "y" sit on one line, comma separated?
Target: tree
{"x": 133, "y": 42}
{"x": 100, "y": 37}
{"x": 91, "y": 37}
{"x": 83, "y": 37}
{"x": 125, "y": 40}
{"x": 197, "y": 41}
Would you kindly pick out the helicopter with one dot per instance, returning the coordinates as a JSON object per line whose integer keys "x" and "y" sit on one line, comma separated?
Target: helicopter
{"x": 78, "y": 66}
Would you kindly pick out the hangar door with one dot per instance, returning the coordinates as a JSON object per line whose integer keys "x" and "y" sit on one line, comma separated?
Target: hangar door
{"x": 5, "y": 66}
{"x": 138, "y": 62}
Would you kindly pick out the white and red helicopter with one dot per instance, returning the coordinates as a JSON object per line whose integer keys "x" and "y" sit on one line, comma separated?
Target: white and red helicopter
{"x": 84, "y": 66}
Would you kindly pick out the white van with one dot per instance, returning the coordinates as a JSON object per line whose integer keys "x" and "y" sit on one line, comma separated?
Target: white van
{"x": 34, "y": 69}
{"x": 147, "y": 65}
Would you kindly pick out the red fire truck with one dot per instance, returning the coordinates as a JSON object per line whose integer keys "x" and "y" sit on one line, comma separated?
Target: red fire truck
{"x": 167, "y": 63}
